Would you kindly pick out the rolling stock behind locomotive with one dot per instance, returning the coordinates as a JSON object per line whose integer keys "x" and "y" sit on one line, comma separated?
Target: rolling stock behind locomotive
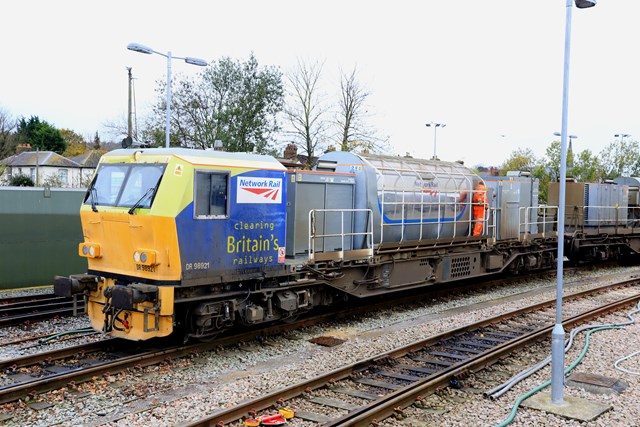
{"x": 195, "y": 242}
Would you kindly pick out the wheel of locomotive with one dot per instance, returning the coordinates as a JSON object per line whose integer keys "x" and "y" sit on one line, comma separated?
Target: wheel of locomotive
{"x": 189, "y": 329}
{"x": 181, "y": 328}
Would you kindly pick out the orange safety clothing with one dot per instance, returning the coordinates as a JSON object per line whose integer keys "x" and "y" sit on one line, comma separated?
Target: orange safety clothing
{"x": 480, "y": 205}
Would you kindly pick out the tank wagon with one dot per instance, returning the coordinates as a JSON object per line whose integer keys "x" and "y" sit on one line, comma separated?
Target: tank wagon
{"x": 195, "y": 242}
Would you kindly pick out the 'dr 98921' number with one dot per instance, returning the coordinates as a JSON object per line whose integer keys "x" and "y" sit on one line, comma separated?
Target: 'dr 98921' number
{"x": 196, "y": 266}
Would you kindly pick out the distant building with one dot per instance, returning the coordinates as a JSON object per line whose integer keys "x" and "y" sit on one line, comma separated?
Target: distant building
{"x": 49, "y": 168}
{"x": 293, "y": 160}
{"x": 88, "y": 163}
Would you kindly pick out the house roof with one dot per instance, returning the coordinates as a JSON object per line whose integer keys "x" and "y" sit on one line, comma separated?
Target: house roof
{"x": 89, "y": 159}
{"x": 39, "y": 158}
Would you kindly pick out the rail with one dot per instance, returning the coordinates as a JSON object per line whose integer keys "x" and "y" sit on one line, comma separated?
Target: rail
{"x": 347, "y": 249}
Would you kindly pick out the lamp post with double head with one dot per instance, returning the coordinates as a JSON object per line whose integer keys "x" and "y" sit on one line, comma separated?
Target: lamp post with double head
{"x": 435, "y": 128}
{"x": 189, "y": 60}
{"x": 558, "y": 334}
{"x": 622, "y": 136}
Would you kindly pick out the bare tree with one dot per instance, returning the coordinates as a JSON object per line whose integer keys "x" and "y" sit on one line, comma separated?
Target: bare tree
{"x": 7, "y": 136}
{"x": 306, "y": 112}
{"x": 354, "y": 131}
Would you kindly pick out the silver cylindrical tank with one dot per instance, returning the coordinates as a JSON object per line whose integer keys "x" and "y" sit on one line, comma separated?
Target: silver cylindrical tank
{"x": 410, "y": 199}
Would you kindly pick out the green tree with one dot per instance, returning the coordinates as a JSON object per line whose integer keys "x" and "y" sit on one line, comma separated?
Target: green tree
{"x": 620, "y": 158}
{"x": 40, "y": 134}
{"x": 232, "y": 101}
{"x": 521, "y": 159}
{"x": 96, "y": 141}
{"x": 540, "y": 171}
{"x": 76, "y": 144}
{"x": 21, "y": 181}
{"x": 587, "y": 167}
{"x": 552, "y": 162}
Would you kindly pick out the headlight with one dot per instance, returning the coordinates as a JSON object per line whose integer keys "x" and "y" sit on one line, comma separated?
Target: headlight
{"x": 145, "y": 256}
{"x": 89, "y": 250}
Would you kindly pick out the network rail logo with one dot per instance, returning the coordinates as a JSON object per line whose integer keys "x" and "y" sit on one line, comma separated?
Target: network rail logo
{"x": 259, "y": 190}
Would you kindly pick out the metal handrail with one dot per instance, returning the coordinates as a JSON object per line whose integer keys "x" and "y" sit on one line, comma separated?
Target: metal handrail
{"x": 313, "y": 236}
{"x": 438, "y": 204}
{"x": 614, "y": 220}
{"x": 525, "y": 226}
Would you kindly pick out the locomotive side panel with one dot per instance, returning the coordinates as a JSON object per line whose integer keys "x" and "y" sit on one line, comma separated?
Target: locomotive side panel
{"x": 235, "y": 225}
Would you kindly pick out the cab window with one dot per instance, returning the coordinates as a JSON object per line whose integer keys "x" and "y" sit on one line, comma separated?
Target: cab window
{"x": 125, "y": 185}
{"x": 211, "y": 195}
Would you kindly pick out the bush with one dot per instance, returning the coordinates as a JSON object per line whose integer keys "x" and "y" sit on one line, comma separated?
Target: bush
{"x": 21, "y": 181}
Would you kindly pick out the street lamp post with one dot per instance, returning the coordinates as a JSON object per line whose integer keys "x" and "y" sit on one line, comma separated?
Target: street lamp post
{"x": 189, "y": 60}
{"x": 558, "y": 334}
{"x": 622, "y": 136}
{"x": 435, "y": 128}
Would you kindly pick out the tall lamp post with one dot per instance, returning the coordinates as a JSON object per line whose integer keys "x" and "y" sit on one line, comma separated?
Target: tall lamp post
{"x": 558, "y": 335}
{"x": 189, "y": 60}
{"x": 435, "y": 128}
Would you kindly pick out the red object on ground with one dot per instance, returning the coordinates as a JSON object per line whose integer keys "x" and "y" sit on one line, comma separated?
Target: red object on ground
{"x": 273, "y": 420}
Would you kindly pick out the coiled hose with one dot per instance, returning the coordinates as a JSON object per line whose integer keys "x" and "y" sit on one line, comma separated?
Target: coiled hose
{"x": 530, "y": 393}
{"x": 498, "y": 391}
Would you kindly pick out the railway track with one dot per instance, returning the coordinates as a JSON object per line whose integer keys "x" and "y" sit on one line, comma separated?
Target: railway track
{"x": 380, "y": 387}
{"x": 29, "y": 308}
{"x": 37, "y": 307}
{"x": 42, "y": 372}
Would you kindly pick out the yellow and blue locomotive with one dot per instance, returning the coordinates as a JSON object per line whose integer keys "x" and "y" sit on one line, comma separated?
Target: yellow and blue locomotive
{"x": 163, "y": 227}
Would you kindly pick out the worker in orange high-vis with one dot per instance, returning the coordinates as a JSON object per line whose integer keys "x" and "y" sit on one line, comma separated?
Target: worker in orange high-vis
{"x": 480, "y": 206}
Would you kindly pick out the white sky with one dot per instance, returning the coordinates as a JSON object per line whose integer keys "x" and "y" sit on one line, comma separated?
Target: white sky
{"x": 485, "y": 68}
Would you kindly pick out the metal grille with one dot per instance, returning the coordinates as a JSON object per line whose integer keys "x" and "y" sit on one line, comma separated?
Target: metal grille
{"x": 460, "y": 266}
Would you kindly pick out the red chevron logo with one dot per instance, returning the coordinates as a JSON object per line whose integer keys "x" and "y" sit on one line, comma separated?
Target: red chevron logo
{"x": 268, "y": 193}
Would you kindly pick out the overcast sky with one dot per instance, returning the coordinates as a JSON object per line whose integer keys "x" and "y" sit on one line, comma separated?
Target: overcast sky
{"x": 491, "y": 70}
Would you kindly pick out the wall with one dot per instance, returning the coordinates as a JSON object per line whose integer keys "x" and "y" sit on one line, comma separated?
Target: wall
{"x": 39, "y": 235}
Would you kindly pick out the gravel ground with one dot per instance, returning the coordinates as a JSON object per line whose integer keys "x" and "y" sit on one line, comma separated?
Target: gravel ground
{"x": 191, "y": 388}
{"x": 26, "y": 291}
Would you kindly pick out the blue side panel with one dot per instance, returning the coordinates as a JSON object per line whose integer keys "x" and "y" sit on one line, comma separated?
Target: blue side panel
{"x": 250, "y": 239}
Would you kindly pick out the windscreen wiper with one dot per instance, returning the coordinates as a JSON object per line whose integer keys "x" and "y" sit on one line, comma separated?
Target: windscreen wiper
{"x": 138, "y": 204}
{"x": 94, "y": 196}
